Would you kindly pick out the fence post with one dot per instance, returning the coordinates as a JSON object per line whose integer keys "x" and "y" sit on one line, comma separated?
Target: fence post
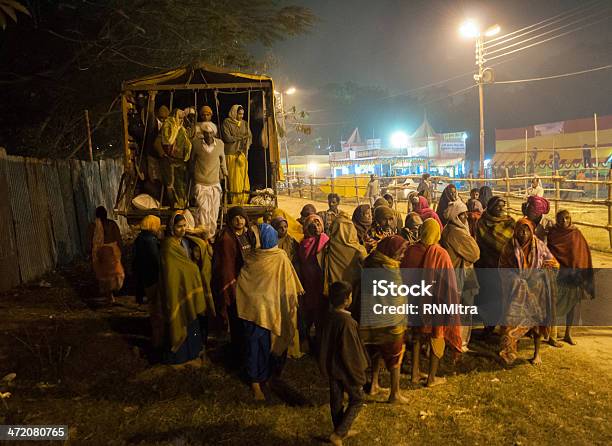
{"x": 301, "y": 187}
{"x": 311, "y": 188}
{"x": 333, "y": 185}
{"x": 557, "y": 191}
{"x": 609, "y": 204}
{"x": 356, "y": 188}
{"x": 507, "y": 179}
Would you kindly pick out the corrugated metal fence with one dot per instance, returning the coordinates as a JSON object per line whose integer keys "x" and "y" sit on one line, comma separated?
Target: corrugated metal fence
{"x": 45, "y": 209}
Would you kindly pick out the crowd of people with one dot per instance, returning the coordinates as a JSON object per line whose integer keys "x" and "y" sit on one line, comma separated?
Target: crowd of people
{"x": 287, "y": 287}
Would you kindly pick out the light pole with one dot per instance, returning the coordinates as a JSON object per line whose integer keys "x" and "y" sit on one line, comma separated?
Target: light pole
{"x": 289, "y": 91}
{"x": 485, "y": 75}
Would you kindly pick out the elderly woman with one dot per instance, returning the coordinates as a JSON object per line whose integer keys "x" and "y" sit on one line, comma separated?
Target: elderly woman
{"x": 535, "y": 209}
{"x": 528, "y": 285}
{"x": 106, "y": 244}
{"x": 344, "y": 255}
{"x": 176, "y": 152}
{"x": 184, "y": 292}
{"x": 575, "y": 280}
{"x": 420, "y": 205}
{"x": 384, "y": 225}
{"x": 412, "y": 228}
{"x": 313, "y": 304}
{"x": 237, "y": 138}
{"x": 431, "y": 262}
{"x": 267, "y": 308}
{"x": 385, "y": 333}
{"x": 146, "y": 269}
{"x": 493, "y": 231}
{"x": 449, "y": 195}
{"x": 464, "y": 252}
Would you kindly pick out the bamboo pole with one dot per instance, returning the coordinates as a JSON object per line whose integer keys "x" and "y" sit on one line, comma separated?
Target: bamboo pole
{"x": 311, "y": 187}
{"x": 507, "y": 178}
{"x": 557, "y": 192}
{"x": 526, "y": 174}
{"x": 356, "y": 188}
{"x": 88, "y": 135}
{"x": 609, "y": 204}
{"x": 333, "y": 185}
{"x": 596, "y": 157}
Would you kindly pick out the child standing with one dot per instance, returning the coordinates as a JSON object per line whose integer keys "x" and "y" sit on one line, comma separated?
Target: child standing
{"x": 342, "y": 359}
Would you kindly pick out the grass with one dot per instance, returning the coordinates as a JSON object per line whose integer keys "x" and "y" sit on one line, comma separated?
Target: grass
{"x": 106, "y": 391}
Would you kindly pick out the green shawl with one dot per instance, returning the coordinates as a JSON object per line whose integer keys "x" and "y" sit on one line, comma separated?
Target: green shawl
{"x": 492, "y": 234}
{"x": 185, "y": 287}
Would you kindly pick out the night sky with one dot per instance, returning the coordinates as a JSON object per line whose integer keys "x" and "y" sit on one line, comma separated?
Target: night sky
{"x": 402, "y": 45}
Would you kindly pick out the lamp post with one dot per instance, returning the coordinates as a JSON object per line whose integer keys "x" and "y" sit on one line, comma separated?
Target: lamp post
{"x": 470, "y": 29}
{"x": 289, "y": 91}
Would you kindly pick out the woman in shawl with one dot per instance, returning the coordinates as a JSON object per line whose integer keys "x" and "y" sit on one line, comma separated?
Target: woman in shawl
{"x": 430, "y": 262}
{"x": 421, "y": 207}
{"x": 493, "y": 231}
{"x": 307, "y": 210}
{"x": 384, "y": 334}
{"x": 528, "y": 284}
{"x": 106, "y": 244}
{"x": 313, "y": 304}
{"x": 449, "y": 194}
{"x": 146, "y": 269}
{"x": 294, "y": 228}
{"x": 484, "y": 195}
{"x": 474, "y": 213}
{"x": 175, "y": 153}
{"x": 535, "y": 209}
{"x": 237, "y": 138}
{"x": 267, "y": 308}
{"x": 343, "y": 255}
{"x": 286, "y": 242}
{"x": 185, "y": 292}
{"x": 464, "y": 252}
{"x": 575, "y": 279}
{"x": 384, "y": 225}
{"x": 362, "y": 219}
{"x": 231, "y": 245}
{"x": 412, "y": 228}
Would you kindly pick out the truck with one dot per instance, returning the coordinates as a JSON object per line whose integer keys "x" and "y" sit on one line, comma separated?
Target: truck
{"x": 189, "y": 88}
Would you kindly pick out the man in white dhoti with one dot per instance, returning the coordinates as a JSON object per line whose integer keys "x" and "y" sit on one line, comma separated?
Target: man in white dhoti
{"x": 208, "y": 169}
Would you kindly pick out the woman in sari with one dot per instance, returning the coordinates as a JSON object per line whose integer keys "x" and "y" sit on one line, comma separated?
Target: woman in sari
{"x": 449, "y": 195}
{"x": 493, "y": 231}
{"x": 528, "y": 285}
{"x": 237, "y": 138}
{"x": 106, "y": 244}
{"x": 146, "y": 269}
{"x": 384, "y": 334}
{"x": 362, "y": 219}
{"x": 185, "y": 292}
{"x": 421, "y": 207}
{"x": 267, "y": 308}
{"x": 343, "y": 255}
{"x": 286, "y": 242}
{"x": 430, "y": 262}
{"x": 313, "y": 304}
{"x": 464, "y": 252}
{"x": 575, "y": 279}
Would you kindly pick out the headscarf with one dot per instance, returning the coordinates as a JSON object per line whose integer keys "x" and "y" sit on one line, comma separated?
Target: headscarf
{"x": 493, "y": 202}
{"x": 268, "y": 236}
{"x": 526, "y": 248}
{"x": 233, "y": 114}
{"x": 344, "y": 254}
{"x": 294, "y": 227}
{"x": 236, "y": 211}
{"x": 382, "y": 212}
{"x": 474, "y": 205}
{"x": 163, "y": 112}
{"x": 380, "y": 202}
{"x": 485, "y": 194}
{"x": 539, "y": 204}
{"x": 452, "y": 213}
{"x": 444, "y": 202}
{"x": 422, "y": 208}
{"x": 276, "y": 221}
{"x": 411, "y": 220}
{"x": 176, "y": 217}
{"x": 309, "y": 220}
{"x": 206, "y": 108}
{"x": 208, "y": 126}
{"x": 430, "y": 232}
{"x": 362, "y": 224}
{"x": 150, "y": 223}
{"x": 389, "y": 246}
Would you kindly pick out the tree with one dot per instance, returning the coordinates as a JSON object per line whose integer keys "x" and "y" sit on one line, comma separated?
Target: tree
{"x": 74, "y": 54}
{"x": 9, "y": 10}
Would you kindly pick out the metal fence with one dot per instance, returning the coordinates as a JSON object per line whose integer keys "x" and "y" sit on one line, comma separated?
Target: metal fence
{"x": 45, "y": 210}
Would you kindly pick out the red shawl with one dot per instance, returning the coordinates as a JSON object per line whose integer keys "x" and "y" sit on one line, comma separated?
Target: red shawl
{"x": 569, "y": 247}
{"x": 227, "y": 262}
{"x": 437, "y": 268}
{"x": 311, "y": 274}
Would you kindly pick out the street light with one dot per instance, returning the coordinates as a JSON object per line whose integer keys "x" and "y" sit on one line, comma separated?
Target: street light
{"x": 399, "y": 140}
{"x": 470, "y": 29}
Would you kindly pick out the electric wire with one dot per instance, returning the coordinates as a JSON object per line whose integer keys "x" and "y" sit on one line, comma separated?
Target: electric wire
{"x": 557, "y": 76}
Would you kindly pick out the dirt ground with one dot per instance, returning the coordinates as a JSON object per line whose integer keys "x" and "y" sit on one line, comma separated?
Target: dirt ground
{"x": 91, "y": 370}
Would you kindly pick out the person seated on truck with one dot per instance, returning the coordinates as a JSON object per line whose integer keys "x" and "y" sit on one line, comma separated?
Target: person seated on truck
{"x": 207, "y": 168}
{"x": 206, "y": 115}
{"x": 237, "y": 138}
{"x": 176, "y": 151}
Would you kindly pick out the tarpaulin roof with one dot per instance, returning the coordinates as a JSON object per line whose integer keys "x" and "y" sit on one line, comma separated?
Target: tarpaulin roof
{"x": 196, "y": 76}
